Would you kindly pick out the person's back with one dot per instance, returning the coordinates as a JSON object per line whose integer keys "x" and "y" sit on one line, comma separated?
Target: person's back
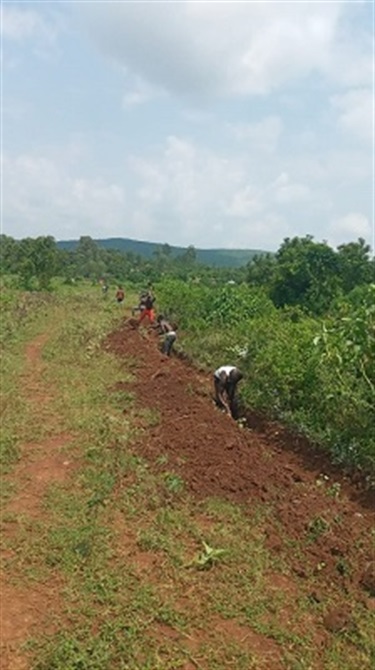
{"x": 149, "y": 301}
{"x": 142, "y": 301}
{"x": 169, "y": 331}
{"x": 164, "y": 325}
{"x": 226, "y": 379}
{"x": 224, "y": 371}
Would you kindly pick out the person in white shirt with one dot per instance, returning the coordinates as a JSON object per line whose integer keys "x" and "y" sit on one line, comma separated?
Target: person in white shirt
{"x": 226, "y": 379}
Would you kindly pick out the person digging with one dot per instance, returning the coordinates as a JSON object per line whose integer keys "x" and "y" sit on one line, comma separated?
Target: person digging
{"x": 226, "y": 379}
{"x": 169, "y": 332}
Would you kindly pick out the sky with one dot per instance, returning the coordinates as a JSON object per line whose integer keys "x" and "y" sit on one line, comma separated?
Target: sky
{"x": 213, "y": 124}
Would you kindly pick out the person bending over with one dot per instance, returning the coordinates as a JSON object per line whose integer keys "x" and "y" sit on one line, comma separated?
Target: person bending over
{"x": 169, "y": 333}
{"x": 141, "y": 304}
{"x": 226, "y": 379}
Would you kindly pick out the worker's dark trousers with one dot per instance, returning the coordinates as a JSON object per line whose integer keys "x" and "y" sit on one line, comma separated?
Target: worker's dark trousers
{"x": 169, "y": 340}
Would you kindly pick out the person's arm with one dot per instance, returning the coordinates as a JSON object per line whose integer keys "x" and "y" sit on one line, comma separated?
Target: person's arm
{"x": 220, "y": 392}
{"x": 224, "y": 402}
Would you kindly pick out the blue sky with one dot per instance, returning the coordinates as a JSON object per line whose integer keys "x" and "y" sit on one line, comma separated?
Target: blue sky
{"x": 218, "y": 124}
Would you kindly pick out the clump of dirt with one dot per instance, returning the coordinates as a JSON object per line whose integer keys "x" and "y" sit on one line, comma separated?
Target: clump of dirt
{"x": 260, "y": 465}
{"x": 337, "y": 619}
{"x": 132, "y": 322}
{"x": 368, "y": 578}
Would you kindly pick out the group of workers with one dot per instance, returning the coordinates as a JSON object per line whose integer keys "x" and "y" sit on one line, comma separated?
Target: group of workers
{"x": 226, "y": 377}
{"x": 163, "y": 327}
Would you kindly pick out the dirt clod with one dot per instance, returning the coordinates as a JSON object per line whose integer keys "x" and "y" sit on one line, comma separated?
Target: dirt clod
{"x": 337, "y": 619}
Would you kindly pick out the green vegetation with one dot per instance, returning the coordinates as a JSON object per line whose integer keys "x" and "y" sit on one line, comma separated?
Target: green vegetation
{"x": 34, "y": 262}
{"x": 150, "y": 250}
{"x": 299, "y": 323}
{"x": 315, "y": 374}
{"x": 303, "y": 273}
{"x": 311, "y": 275}
{"x": 22, "y": 316}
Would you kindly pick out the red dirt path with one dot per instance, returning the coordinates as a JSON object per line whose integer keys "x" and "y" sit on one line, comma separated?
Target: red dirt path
{"x": 252, "y": 467}
{"x": 25, "y": 609}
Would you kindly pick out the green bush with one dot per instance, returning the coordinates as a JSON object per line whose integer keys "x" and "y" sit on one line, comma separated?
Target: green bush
{"x": 316, "y": 375}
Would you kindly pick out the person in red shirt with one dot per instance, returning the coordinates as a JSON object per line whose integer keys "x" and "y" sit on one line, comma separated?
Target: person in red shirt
{"x": 148, "y": 310}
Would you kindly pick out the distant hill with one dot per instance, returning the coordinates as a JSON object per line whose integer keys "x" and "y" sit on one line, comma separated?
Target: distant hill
{"x": 213, "y": 257}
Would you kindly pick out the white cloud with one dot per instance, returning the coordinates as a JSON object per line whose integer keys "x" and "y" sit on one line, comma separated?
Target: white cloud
{"x": 356, "y": 112}
{"x": 189, "y": 186}
{"x": 23, "y": 24}
{"x": 349, "y": 227}
{"x": 205, "y": 49}
{"x": 139, "y": 93}
{"x": 288, "y": 192}
{"x": 263, "y": 135}
{"x": 197, "y": 117}
{"x": 332, "y": 167}
{"x": 250, "y": 200}
{"x": 264, "y": 230}
{"x": 18, "y": 24}
{"x": 40, "y": 195}
{"x": 245, "y": 202}
{"x": 199, "y": 197}
{"x": 181, "y": 192}
{"x": 351, "y": 63}
{"x": 97, "y": 191}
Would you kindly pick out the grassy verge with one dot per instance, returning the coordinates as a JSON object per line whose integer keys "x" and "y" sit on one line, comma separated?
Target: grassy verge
{"x": 22, "y": 317}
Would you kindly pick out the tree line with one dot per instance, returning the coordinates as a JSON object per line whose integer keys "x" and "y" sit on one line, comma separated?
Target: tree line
{"x": 311, "y": 274}
{"x": 302, "y": 273}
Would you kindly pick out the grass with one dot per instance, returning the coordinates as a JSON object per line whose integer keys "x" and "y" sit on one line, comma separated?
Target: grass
{"x": 143, "y": 576}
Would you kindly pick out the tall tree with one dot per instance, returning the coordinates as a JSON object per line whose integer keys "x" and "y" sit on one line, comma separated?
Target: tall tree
{"x": 306, "y": 274}
{"x": 35, "y": 261}
{"x": 189, "y": 257}
{"x": 261, "y": 269}
{"x": 8, "y": 254}
{"x": 355, "y": 265}
{"x": 89, "y": 258}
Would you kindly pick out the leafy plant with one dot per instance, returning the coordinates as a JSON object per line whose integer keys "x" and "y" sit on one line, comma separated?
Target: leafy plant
{"x": 207, "y": 557}
{"x": 173, "y": 482}
{"x": 317, "y": 527}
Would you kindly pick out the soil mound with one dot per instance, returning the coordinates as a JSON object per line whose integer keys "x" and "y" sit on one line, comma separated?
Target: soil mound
{"x": 257, "y": 466}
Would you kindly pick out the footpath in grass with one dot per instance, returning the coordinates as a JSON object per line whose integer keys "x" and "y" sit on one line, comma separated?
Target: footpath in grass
{"x": 144, "y": 530}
